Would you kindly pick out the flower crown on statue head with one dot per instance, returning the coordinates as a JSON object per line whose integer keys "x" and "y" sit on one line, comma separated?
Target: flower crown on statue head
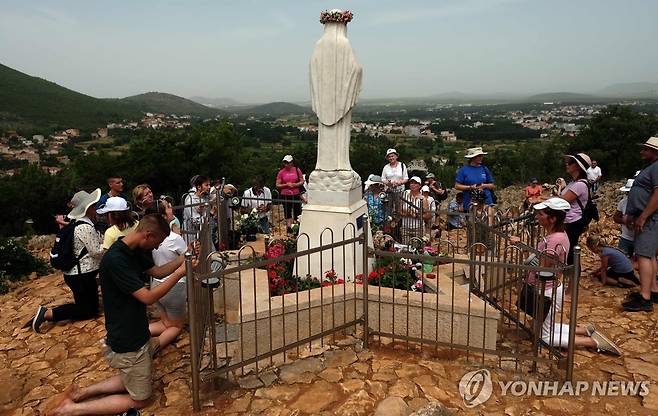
{"x": 336, "y": 16}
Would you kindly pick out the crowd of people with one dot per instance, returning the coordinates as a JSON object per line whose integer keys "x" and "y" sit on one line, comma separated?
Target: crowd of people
{"x": 135, "y": 249}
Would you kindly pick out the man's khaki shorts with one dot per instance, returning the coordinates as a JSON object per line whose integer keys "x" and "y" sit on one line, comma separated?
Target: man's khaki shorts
{"x": 135, "y": 371}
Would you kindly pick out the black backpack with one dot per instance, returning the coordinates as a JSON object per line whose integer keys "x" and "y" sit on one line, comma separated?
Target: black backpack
{"x": 439, "y": 197}
{"x": 62, "y": 256}
{"x": 590, "y": 210}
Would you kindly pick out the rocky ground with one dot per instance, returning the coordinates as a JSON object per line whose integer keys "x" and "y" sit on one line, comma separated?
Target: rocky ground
{"x": 340, "y": 380}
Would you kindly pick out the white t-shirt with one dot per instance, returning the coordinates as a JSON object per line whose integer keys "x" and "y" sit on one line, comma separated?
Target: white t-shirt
{"x": 397, "y": 173}
{"x": 432, "y": 204}
{"x": 593, "y": 173}
{"x": 262, "y": 199}
{"x": 192, "y": 213}
{"x": 626, "y": 232}
{"x": 172, "y": 247}
{"x": 416, "y": 221}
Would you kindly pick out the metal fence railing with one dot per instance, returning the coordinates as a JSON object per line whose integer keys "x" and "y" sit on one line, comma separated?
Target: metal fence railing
{"x": 466, "y": 292}
{"x": 246, "y": 314}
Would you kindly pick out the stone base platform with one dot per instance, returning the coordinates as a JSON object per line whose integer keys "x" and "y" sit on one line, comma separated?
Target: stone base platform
{"x": 452, "y": 315}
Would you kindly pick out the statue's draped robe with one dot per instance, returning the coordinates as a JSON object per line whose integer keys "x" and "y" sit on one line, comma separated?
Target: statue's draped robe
{"x": 335, "y": 78}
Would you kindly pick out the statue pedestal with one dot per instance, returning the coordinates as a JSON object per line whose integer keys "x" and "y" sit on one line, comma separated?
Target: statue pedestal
{"x": 332, "y": 217}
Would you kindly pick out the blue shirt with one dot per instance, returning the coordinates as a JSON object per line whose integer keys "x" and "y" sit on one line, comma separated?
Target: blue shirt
{"x": 454, "y": 220}
{"x": 643, "y": 187}
{"x": 617, "y": 260}
{"x": 474, "y": 175}
{"x": 375, "y": 208}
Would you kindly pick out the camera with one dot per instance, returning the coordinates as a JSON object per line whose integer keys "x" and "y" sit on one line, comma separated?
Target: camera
{"x": 477, "y": 195}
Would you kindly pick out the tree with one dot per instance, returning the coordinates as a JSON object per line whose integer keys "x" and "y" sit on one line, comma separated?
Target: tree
{"x": 610, "y": 139}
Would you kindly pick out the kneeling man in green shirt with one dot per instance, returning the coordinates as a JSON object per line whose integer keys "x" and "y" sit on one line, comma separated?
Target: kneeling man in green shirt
{"x": 123, "y": 272}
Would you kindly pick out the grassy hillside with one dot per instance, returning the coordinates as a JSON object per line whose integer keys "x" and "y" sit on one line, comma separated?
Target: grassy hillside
{"x": 32, "y": 104}
{"x": 159, "y": 102}
{"x": 28, "y": 102}
{"x": 274, "y": 109}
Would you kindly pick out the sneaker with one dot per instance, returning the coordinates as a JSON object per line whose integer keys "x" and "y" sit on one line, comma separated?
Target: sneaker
{"x": 638, "y": 304}
{"x": 39, "y": 318}
{"x": 636, "y": 295}
{"x": 590, "y": 329}
{"x": 604, "y": 344}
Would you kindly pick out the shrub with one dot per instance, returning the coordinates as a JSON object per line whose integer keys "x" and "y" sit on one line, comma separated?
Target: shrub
{"x": 16, "y": 263}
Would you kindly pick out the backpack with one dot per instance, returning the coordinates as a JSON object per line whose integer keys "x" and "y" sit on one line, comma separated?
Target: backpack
{"x": 590, "y": 210}
{"x": 302, "y": 190}
{"x": 439, "y": 197}
{"x": 62, "y": 256}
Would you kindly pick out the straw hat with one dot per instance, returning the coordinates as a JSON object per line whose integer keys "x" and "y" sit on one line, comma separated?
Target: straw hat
{"x": 582, "y": 159}
{"x": 474, "y": 151}
{"x": 651, "y": 142}
{"x": 81, "y": 201}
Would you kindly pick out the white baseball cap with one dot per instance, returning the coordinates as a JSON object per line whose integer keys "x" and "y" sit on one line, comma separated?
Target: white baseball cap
{"x": 415, "y": 179}
{"x": 391, "y": 150}
{"x": 557, "y": 204}
{"x": 115, "y": 203}
{"x": 287, "y": 158}
{"x": 425, "y": 188}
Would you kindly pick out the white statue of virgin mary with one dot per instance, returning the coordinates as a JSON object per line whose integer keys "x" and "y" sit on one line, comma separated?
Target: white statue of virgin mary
{"x": 335, "y": 80}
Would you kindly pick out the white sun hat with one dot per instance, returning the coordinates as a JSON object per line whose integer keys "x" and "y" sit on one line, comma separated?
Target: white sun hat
{"x": 474, "y": 151}
{"x": 81, "y": 201}
{"x": 373, "y": 179}
{"x": 627, "y": 187}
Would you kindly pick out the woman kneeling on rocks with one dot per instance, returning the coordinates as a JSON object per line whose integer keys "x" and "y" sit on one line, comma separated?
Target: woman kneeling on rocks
{"x": 555, "y": 246}
{"x": 81, "y": 279}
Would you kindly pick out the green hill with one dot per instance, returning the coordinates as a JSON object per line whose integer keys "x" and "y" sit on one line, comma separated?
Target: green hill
{"x": 275, "y": 109}
{"x": 160, "y": 102}
{"x": 28, "y": 102}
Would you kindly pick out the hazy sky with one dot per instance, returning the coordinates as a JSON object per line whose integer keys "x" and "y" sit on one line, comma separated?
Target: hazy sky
{"x": 259, "y": 50}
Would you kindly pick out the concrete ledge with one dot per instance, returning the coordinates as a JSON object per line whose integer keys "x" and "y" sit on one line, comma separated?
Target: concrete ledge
{"x": 270, "y": 323}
